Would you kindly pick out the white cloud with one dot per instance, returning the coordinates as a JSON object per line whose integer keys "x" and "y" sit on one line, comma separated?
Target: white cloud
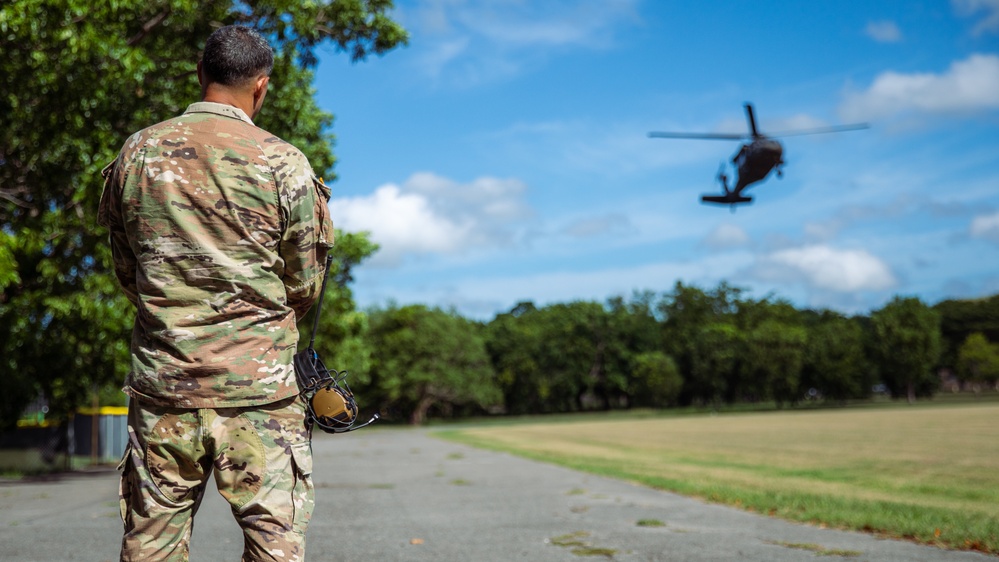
{"x": 429, "y": 214}
{"x": 474, "y": 42}
{"x": 986, "y": 227}
{"x": 968, "y": 85}
{"x": 990, "y": 22}
{"x": 486, "y": 198}
{"x": 399, "y": 222}
{"x": 883, "y": 31}
{"x": 826, "y": 269}
{"x": 726, "y": 236}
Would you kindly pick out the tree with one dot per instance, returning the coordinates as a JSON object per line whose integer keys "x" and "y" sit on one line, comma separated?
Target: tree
{"x": 572, "y": 357}
{"x": 775, "y": 352}
{"x": 657, "y": 380}
{"x": 961, "y": 318}
{"x": 425, "y": 357}
{"x": 907, "y": 346}
{"x": 773, "y": 341}
{"x": 685, "y": 312}
{"x": 514, "y": 346}
{"x": 632, "y": 330}
{"x": 568, "y": 357}
{"x": 715, "y": 358}
{"x": 835, "y": 363}
{"x": 78, "y": 78}
{"x": 978, "y": 360}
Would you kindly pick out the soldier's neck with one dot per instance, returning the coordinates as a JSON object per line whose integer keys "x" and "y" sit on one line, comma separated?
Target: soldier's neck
{"x": 239, "y": 99}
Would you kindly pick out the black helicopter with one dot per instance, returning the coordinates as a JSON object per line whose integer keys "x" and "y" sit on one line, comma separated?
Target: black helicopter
{"x": 755, "y": 160}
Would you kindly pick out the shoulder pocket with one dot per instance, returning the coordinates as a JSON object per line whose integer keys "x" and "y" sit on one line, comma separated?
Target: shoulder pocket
{"x": 325, "y": 222}
{"x": 324, "y": 189}
{"x": 104, "y": 208}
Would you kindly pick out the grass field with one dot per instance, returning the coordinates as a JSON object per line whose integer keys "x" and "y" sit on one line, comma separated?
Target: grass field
{"x": 927, "y": 473}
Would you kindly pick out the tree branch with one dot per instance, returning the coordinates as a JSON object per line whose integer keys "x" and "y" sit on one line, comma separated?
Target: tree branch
{"x": 9, "y": 197}
{"x": 148, "y": 26}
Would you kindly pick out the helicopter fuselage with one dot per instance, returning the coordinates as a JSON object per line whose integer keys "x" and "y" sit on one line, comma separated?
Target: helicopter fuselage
{"x": 755, "y": 160}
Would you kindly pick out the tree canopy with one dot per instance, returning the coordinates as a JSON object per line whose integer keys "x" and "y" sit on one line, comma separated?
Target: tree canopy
{"x": 428, "y": 358}
{"x": 978, "y": 360}
{"x": 77, "y": 79}
{"x": 835, "y": 359}
{"x": 961, "y": 318}
{"x": 907, "y": 344}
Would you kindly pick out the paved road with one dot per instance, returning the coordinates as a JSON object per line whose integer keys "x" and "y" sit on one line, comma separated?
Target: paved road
{"x": 400, "y": 495}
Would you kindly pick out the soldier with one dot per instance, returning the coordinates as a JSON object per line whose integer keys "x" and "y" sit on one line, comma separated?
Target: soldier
{"x": 219, "y": 232}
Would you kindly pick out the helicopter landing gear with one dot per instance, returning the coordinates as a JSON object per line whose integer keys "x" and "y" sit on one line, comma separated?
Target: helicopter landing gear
{"x": 723, "y": 178}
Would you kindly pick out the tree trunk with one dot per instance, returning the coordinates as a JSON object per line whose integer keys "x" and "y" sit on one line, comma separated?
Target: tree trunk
{"x": 419, "y": 414}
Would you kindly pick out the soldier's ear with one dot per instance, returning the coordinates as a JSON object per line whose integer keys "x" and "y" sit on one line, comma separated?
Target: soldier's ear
{"x": 202, "y": 80}
{"x": 260, "y": 85}
{"x": 259, "y": 92}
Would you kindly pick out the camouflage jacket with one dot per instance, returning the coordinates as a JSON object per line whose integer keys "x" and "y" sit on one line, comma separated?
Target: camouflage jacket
{"x": 219, "y": 235}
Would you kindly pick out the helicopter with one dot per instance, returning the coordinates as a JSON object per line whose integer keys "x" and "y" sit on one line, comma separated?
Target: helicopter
{"x": 755, "y": 160}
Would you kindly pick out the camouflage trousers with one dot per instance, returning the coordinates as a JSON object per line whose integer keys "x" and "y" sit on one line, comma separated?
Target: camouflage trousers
{"x": 261, "y": 457}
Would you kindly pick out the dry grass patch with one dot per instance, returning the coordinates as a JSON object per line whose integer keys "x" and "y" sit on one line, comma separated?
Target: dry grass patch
{"x": 927, "y": 473}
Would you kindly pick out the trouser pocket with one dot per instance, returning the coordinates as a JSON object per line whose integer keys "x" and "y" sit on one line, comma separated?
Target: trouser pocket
{"x": 303, "y": 495}
{"x": 125, "y": 483}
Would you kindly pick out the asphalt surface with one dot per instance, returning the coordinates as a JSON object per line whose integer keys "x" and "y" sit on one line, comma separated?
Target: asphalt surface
{"x": 401, "y": 495}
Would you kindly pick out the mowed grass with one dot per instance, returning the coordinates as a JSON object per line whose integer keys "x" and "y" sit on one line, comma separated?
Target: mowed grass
{"x": 930, "y": 474}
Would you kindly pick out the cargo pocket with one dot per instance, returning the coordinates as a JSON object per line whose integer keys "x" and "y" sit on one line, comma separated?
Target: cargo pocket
{"x": 241, "y": 462}
{"x": 303, "y": 495}
{"x": 125, "y": 487}
{"x": 171, "y": 460}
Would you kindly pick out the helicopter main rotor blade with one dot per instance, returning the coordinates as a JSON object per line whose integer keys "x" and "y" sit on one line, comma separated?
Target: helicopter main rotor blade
{"x": 706, "y": 136}
{"x": 822, "y": 130}
{"x": 752, "y": 120}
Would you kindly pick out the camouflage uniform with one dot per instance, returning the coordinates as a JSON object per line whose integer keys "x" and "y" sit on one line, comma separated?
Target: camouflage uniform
{"x": 219, "y": 234}
{"x": 262, "y": 462}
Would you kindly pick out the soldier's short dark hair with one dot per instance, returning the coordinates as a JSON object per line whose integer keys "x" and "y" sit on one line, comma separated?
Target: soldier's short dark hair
{"x": 235, "y": 54}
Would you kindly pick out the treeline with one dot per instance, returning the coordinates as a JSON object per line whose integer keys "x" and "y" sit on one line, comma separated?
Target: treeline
{"x": 686, "y": 346}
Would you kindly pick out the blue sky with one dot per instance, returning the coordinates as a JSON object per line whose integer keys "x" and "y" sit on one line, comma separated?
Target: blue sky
{"x": 503, "y": 155}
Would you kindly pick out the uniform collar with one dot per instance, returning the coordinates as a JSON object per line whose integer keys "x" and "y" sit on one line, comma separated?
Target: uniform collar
{"x": 222, "y": 109}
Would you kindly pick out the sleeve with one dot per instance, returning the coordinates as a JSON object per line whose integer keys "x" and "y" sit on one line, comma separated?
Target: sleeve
{"x": 307, "y": 237}
{"x": 109, "y": 215}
